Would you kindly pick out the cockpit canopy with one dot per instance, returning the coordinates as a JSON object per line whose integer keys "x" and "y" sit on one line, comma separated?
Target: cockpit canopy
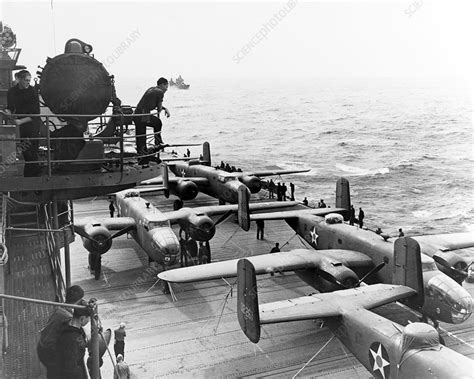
{"x": 334, "y": 218}
{"x": 132, "y": 194}
{"x": 158, "y": 224}
{"x": 428, "y": 263}
{"x": 225, "y": 179}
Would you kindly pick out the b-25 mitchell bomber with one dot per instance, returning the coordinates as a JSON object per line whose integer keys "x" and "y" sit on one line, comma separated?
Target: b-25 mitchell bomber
{"x": 386, "y": 349}
{"x": 198, "y": 176}
{"x": 151, "y": 228}
{"x": 345, "y": 255}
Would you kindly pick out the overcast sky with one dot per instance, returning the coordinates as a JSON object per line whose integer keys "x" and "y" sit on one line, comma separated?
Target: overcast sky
{"x": 410, "y": 38}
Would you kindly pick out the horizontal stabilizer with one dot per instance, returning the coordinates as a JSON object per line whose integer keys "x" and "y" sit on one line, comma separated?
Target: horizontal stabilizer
{"x": 274, "y": 172}
{"x": 214, "y": 210}
{"x": 332, "y": 304}
{"x": 284, "y": 215}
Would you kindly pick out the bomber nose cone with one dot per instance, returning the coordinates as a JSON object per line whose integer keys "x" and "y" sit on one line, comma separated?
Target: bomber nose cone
{"x": 169, "y": 258}
{"x": 462, "y": 305}
{"x": 463, "y": 308}
{"x": 167, "y": 245}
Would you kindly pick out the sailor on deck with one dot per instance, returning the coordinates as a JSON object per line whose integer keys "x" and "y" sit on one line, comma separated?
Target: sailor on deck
{"x": 23, "y": 99}
{"x": 151, "y": 99}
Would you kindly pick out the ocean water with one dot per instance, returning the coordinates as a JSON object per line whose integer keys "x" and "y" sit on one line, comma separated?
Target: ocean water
{"x": 405, "y": 146}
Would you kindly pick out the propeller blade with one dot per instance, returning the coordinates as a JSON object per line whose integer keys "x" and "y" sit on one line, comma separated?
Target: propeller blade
{"x": 119, "y": 233}
{"x": 375, "y": 270}
{"x": 456, "y": 274}
{"x": 330, "y": 278}
{"x": 83, "y": 234}
{"x": 223, "y": 218}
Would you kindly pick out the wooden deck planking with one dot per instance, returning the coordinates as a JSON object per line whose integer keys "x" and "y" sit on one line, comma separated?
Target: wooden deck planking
{"x": 189, "y": 337}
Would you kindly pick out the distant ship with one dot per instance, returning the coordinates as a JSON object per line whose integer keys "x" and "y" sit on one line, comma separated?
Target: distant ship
{"x": 178, "y": 83}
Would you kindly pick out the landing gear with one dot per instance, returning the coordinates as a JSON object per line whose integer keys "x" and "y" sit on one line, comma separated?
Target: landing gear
{"x": 166, "y": 288}
{"x": 177, "y": 204}
{"x": 95, "y": 264}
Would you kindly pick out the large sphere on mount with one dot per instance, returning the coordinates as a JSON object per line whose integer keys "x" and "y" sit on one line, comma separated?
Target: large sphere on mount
{"x": 75, "y": 83}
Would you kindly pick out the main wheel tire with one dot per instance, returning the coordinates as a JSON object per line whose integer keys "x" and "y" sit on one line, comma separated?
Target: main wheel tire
{"x": 177, "y": 204}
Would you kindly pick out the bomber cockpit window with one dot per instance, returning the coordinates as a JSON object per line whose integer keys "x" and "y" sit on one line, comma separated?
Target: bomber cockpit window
{"x": 132, "y": 194}
{"x": 429, "y": 266}
{"x": 159, "y": 224}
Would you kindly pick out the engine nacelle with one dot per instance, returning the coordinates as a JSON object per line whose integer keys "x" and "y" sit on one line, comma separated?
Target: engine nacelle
{"x": 336, "y": 269}
{"x": 186, "y": 190}
{"x": 199, "y": 227}
{"x": 99, "y": 243}
{"x": 253, "y": 183}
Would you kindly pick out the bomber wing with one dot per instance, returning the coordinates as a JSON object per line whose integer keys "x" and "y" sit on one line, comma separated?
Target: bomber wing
{"x": 115, "y": 223}
{"x": 267, "y": 263}
{"x": 332, "y": 304}
{"x": 284, "y": 215}
{"x": 196, "y": 179}
{"x": 175, "y": 179}
{"x": 447, "y": 242}
{"x": 213, "y": 210}
{"x": 274, "y": 172}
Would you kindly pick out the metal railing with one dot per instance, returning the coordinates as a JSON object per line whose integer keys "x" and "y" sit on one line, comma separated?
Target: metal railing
{"x": 47, "y": 143}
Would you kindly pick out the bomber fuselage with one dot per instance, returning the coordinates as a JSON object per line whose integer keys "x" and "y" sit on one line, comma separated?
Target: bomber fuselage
{"x": 221, "y": 184}
{"x": 388, "y": 350}
{"x": 153, "y": 230}
{"x": 445, "y": 300}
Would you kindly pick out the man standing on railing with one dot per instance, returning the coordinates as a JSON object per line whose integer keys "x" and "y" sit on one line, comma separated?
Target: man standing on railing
{"x": 152, "y": 99}
{"x": 23, "y": 99}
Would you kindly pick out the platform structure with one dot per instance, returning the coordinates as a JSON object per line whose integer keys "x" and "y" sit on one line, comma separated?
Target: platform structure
{"x": 32, "y": 268}
{"x": 199, "y": 335}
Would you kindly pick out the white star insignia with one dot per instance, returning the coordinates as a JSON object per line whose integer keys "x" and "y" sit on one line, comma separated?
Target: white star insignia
{"x": 379, "y": 362}
{"x": 314, "y": 236}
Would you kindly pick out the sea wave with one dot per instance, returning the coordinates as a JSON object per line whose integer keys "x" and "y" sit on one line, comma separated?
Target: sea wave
{"x": 358, "y": 171}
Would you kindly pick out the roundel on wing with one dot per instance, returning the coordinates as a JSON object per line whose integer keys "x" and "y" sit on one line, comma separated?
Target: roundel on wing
{"x": 379, "y": 361}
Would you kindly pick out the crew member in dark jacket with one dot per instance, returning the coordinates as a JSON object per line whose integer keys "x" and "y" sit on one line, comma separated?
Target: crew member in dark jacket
{"x": 23, "y": 99}
{"x": 46, "y": 348}
{"x": 361, "y": 217}
{"x": 152, "y": 99}
{"x": 71, "y": 345}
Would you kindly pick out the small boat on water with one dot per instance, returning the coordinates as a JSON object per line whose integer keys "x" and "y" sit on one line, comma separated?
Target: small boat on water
{"x": 178, "y": 83}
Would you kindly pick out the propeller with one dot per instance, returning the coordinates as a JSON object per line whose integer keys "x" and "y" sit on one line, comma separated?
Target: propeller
{"x": 457, "y": 274}
{"x": 83, "y": 234}
{"x": 330, "y": 278}
{"x": 119, "y": 233}
{"x": 375, "y": 270}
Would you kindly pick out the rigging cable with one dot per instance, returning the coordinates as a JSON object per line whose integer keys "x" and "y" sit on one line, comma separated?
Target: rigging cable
{"x": 54, "y": 28}
{"x": 314, "y": 356}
